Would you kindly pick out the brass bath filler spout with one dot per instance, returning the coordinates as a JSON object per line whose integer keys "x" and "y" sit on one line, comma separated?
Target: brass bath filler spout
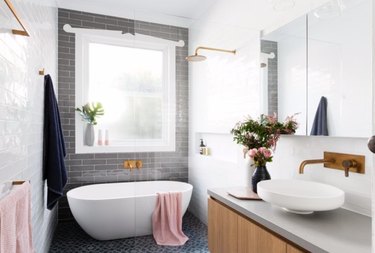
{"x": 313, "y": 161}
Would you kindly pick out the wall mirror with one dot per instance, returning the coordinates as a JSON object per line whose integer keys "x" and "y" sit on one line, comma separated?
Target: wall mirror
{"x": 320, "y": 66}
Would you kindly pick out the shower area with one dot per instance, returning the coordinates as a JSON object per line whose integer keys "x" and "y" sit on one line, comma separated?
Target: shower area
{"x": 269, "y": 77}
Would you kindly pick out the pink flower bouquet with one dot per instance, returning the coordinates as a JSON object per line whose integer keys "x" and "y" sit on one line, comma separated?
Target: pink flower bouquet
{"x": 260, "y": 156}
{"x": 259, "y": 137}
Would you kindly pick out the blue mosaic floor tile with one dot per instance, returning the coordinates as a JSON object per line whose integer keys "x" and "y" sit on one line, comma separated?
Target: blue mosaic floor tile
{"x": 70, "y": 238}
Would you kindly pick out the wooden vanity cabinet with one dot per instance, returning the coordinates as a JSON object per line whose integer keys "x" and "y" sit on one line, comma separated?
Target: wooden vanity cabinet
{"x": 222, "y": 228}
{"x": 252, "y": 238}
{"x": 292, "y": 249}
{"x": 230, "y": 232}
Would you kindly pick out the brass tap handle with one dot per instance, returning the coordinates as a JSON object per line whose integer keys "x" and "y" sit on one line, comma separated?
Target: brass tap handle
{"x": 138, "y": 164}
{"x": 347, "y": 164}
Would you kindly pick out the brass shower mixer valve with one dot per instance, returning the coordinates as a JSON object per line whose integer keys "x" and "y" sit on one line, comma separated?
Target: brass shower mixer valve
{"x": 133, "y": 164}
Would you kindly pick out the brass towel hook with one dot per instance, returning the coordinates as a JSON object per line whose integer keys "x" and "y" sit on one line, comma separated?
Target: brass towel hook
{"x": 41, "y": 72}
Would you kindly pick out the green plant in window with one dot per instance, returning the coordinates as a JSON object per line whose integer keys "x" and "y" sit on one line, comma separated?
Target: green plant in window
{"x": 90, "y": 112}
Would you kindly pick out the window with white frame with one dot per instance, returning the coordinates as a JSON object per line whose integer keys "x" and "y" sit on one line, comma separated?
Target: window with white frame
{"x": 135, "y": 82}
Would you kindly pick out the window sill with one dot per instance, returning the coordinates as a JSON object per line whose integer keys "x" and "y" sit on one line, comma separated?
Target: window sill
{"x": 123, "y": 149}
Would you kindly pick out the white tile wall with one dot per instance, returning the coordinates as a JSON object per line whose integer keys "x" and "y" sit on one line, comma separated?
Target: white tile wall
{"x": 220, "y": 169}
{"x": 21, "y": 108}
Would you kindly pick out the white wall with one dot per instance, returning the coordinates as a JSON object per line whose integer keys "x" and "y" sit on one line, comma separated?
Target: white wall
{"x": 211, "y": 80}
{"x": 21, "y": 108}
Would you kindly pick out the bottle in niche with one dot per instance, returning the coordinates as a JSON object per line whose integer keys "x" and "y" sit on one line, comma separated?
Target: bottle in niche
{"x": 201, "y": 147}
{"x": 206, "y": 151}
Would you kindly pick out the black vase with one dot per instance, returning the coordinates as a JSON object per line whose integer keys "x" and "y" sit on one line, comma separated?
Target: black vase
{"x": 260, "y": 174}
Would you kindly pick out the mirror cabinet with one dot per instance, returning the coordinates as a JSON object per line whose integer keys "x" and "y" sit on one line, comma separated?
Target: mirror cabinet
{"x": 320, "y": 66}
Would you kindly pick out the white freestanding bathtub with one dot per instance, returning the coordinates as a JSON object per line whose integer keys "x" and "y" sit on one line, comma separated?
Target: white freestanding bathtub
{"x": 121, "y": 210}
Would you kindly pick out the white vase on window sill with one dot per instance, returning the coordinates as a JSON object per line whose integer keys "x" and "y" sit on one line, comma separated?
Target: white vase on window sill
{"x": 89, "y": 135}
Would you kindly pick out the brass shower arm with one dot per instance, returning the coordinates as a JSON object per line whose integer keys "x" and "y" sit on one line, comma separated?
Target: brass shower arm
{"x": 214, "y": 49}
{"x": 196, "y": 57}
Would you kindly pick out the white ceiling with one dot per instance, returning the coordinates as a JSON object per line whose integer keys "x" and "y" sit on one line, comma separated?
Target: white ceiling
{"x": 179, "y": 8}
{"x": 174, "y": 12}
{"x": 254, "y": 14}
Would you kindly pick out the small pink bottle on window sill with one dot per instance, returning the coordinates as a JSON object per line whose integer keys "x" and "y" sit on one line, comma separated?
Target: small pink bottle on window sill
{"x": 106, "y": 140}
{"x": 100, "y": 138}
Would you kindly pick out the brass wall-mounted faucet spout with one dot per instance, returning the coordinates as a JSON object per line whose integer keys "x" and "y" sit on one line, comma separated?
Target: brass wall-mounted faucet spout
{"x": 313, "y": 161}
{"x": 345, "y": 162}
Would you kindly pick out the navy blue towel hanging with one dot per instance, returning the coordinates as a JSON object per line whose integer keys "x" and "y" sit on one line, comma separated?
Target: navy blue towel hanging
{"x": 320, "y": 125}
{"x": 53, "y": 146}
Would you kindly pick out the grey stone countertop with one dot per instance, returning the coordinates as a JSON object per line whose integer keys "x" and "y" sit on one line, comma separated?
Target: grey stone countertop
{"x": 336, "y": 231}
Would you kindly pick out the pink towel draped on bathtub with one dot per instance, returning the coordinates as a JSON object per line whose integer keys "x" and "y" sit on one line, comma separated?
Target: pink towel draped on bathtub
{"x": 15, "y": 221}
{"x": 167, "y": 220}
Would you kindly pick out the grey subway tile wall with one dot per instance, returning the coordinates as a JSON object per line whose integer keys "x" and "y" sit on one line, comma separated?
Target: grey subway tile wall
{"x": 86, "y": 169}
{"x": 267, "y": 47}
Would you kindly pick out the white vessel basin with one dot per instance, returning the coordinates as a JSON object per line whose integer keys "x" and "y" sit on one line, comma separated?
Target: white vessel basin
{"x": 302, "y": 197}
